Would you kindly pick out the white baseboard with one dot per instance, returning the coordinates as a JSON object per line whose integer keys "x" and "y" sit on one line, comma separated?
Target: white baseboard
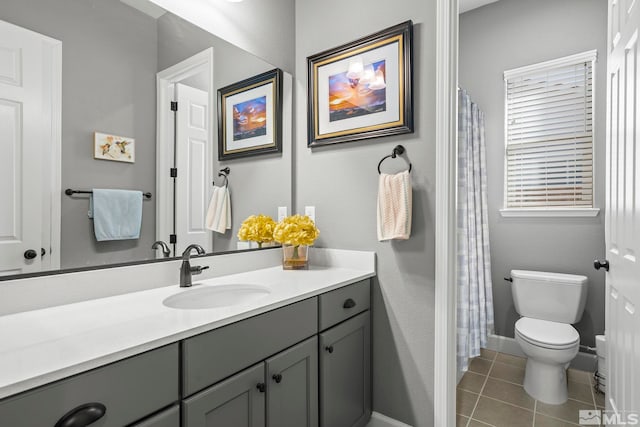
{"x": 583, "y": 361}
{"x": 379, "y": 420}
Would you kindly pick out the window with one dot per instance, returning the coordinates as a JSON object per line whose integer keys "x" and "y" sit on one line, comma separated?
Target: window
{"x": 549, "y": 135}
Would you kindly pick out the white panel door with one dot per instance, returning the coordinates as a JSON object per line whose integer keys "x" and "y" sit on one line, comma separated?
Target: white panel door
{"x": 193, "y": 160}
{"x": 21, "y": 133}
{"x": 623, "y": 209}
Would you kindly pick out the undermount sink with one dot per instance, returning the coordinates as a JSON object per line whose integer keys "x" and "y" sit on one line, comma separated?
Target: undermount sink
{"x": 216, "y": 296}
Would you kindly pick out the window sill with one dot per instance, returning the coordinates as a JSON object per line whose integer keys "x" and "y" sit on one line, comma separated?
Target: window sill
{"x": 550, "y": 212}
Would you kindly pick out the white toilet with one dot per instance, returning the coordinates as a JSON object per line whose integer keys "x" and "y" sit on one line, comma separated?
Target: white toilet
{"x": 548, "y": 303}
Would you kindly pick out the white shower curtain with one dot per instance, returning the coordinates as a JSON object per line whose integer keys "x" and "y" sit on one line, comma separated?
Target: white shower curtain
{"x": 475, "y": 299}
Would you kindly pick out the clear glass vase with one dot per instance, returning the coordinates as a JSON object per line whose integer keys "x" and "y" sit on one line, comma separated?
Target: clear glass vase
{"x": 295, "y": 257}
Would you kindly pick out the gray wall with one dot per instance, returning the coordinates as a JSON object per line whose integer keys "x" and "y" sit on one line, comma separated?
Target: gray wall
{"x": 258, "y": 184}
{"x": 510, "y": 34}
{"x": 263, "y": 28}
{"x": 108, "y": 85}
{"x": 341, "y": 181}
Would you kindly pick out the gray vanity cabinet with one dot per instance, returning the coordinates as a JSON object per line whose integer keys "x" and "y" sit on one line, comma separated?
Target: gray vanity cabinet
{"x": 307, "y": 364}
{"x": 127, "y": 391}
{"x": 213, "y": 356}
{"x": 345, "y": 373}
{"x": 280, "y": 392}
{"x": 238, "y": 401}
{"x": 292, "y": 392}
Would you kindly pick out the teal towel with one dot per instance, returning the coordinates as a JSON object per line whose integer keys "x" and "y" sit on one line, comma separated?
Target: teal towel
{"x": 117, "y": 214}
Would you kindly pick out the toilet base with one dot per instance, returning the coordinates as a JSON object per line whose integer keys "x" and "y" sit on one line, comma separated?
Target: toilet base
{"x": 546, "y": 382}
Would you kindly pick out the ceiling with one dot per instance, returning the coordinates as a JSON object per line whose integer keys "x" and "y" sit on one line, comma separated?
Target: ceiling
{"x": 467, "y": 5}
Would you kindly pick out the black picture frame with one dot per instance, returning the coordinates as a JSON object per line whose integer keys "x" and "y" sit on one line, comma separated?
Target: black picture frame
{"x": 327, "y": 122}
{"x": 238, "y": 134}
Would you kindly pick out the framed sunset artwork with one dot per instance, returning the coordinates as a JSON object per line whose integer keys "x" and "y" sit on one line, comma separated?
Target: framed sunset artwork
{"x": 362, "y": 89}
{"x": 250, "y": 116}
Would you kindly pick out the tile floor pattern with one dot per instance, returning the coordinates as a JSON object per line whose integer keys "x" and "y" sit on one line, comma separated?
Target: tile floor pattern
{"x": 491, "y": 394}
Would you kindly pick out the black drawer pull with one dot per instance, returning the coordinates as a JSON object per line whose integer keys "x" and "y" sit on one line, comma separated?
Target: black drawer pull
{"x": 83, "y": 415}
{"x": 261, "y": 387}
{"x": 329, "y": 348}
{"x": 349, "y": 303}
{"x": 597, "y": 264}
{"x": 277, "y": 378}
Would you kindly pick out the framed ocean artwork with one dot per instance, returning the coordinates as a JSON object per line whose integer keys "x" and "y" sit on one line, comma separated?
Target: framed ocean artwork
{"x": 362, "y": 89}
{"x": 250, "y": 116}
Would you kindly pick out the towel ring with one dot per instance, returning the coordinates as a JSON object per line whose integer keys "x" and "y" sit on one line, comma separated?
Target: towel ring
{"x": 397, "y": 150}
{"x": 223, "y": 173}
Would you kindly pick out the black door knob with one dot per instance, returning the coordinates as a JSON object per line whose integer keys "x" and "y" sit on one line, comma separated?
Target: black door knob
{"x": 597, "y": 264}
{"x": 277, "y": 378}
{"x": 30, "y": 254}
{"x": 261, "y": 387}
{"x": 329, "y": 348}
{"x": 43, "y": 251}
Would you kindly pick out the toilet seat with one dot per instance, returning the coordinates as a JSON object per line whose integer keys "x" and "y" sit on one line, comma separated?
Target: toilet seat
{"x": 547, "y": 334}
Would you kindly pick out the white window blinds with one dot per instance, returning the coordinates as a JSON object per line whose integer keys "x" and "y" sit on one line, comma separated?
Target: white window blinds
{"x": 549, "y": 134}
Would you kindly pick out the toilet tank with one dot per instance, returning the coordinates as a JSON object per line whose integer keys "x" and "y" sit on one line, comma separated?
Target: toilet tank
{"x": 549, "y": 296}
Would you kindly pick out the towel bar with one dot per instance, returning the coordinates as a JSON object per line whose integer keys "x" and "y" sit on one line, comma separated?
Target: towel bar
{"x": 70, "y": 192}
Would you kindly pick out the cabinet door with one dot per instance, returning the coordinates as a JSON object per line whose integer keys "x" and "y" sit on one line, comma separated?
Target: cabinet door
{"x": 345, "y": 373}
{"x": 292, "y": 395}
{"x": 238, "y": 401}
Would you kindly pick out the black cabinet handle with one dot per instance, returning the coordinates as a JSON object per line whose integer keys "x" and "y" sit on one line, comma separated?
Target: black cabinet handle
{"x": 277, "y": 378}
{"x": 30, "y": 254}
{"x": 329, "y": 348}
{"x": 83, "y": 415}
{"x": 597, "y": 264}
{"x": 43, "y": 251}
{"x": 349, "y": 303}
{"x": 261, "y": 387}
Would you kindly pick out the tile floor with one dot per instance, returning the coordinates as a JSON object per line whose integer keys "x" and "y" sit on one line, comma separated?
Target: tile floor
{"x": 491, "y": 394}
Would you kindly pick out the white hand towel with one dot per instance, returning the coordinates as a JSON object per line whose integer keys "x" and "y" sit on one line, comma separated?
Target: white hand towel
{"x": 394, "y": 206}
{"x": 219, "y": 211}
{"x": 227, "y": 202}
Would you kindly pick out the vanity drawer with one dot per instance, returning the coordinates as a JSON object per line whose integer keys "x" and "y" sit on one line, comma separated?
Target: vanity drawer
{"x": 129, "y": 389}
{"x": 339, "y": 305}
{"x": 215, "y": 355}
{"x": 167, "y": 418}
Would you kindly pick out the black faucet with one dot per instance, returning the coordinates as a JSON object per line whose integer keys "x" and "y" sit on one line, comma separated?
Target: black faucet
{"x": 165, "y": 248}
{"x": 186, "y": 271}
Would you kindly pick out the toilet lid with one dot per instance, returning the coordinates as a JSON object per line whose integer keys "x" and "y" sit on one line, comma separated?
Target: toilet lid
{"x": 545, "y": 333}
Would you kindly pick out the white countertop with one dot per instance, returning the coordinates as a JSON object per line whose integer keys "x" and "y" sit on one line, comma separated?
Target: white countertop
{"x": 41, "y": 346}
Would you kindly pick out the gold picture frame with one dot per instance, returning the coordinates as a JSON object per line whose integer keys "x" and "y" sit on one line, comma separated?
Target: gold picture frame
{"x": 362, "y": 89}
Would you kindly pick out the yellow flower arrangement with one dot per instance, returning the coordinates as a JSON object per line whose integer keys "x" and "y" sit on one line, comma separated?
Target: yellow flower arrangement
{"x": 257, "y": 228}
{"x": 296, "y": 230}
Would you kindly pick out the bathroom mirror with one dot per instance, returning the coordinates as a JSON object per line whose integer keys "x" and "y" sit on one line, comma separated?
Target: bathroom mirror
{"x": 112, "y": 68}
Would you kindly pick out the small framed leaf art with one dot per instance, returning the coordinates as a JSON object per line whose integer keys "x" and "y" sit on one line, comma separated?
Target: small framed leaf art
{"x": 114, "y": 148}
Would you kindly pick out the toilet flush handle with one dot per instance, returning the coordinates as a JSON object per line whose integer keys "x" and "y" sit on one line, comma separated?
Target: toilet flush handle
{"x": 597, "y": 264}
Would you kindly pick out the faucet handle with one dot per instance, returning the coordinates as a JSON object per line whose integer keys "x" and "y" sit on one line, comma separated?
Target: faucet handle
{"x": 197, "y": 269}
